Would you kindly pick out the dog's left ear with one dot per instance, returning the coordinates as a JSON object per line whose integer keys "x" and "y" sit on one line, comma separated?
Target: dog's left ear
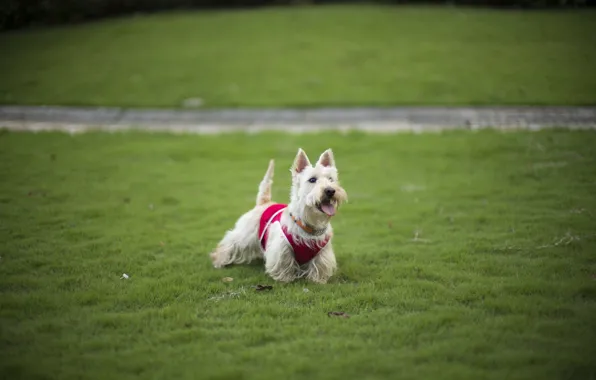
{"x": 327, "y": 159}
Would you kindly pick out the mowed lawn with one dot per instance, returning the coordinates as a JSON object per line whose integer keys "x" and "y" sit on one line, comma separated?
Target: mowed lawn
{"x": 307, "y": 57}
{"x": 462, "y": 255}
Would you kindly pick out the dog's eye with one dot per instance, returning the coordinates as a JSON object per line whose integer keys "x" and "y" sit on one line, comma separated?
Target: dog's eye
{"x": 330, "y": 179}
{"x": 312, "y": 180}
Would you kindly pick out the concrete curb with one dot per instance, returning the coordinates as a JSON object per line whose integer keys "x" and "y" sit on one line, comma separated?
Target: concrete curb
{"x": 420, "y": 119}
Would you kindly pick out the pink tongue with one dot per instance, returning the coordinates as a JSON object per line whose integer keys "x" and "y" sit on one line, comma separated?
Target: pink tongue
{"x": 328, "y": 209}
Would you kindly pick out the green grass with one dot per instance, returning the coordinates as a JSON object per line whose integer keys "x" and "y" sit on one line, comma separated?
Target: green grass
{"x": 500, "y": 282}
{"x": 319, "y": 56}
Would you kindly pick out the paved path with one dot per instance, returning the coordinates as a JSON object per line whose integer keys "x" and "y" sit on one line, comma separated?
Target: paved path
{"x": 296, "y": 120}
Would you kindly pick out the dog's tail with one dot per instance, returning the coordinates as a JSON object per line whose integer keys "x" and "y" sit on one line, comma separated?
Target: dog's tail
{"x": 264, "y": 195}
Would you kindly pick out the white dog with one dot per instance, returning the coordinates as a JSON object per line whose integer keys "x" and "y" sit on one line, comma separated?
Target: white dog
{"x": 295, "y": 239}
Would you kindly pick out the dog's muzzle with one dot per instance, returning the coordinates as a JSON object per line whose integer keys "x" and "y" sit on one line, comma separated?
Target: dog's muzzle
{"x": 327, "y": 204}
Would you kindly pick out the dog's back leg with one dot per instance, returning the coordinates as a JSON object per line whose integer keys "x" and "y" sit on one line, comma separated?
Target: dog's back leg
{"x": 264, "y": 195}
{"x": 239, "y": 245}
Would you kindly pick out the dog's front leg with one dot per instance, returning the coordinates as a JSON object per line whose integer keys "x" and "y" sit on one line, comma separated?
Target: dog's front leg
{"x": 322, "y": 267}
{"x": 279, "y": 257}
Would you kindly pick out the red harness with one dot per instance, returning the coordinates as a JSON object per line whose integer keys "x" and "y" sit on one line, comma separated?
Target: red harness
{"x": 302, "y": 253}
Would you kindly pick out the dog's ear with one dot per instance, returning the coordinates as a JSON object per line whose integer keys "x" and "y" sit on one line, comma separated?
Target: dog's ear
{"x": 301, "y": 162}
{"x": 327, "y": 159}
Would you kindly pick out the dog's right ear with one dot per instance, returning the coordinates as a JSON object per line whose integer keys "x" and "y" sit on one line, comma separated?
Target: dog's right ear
{"x": 301, "y": 162}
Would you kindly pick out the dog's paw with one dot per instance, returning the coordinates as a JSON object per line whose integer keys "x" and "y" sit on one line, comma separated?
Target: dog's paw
{"x": 318, "y": 280}
{"x": 216, "y": 264}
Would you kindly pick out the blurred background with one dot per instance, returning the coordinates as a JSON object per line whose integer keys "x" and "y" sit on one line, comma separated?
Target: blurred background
{"x": 15, "y": 13}
{"x": 265, "y": 53}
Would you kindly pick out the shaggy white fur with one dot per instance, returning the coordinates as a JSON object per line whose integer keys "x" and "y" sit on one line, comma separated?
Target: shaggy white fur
{"x": 314, "y": 198}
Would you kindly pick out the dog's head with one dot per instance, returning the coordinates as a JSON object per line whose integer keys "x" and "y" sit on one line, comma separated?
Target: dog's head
{"x": 316, "y": 189}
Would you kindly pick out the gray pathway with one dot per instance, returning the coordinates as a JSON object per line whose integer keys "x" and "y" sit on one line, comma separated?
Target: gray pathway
{"x": 296, "y": 120}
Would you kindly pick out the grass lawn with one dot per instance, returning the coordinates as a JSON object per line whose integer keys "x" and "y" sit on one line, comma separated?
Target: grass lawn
{"x": 319, "y": 56}
{"x": 462, "y": 255}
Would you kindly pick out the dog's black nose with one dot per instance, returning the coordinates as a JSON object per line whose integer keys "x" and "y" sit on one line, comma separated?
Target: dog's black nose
{"x": 329, "y": 191}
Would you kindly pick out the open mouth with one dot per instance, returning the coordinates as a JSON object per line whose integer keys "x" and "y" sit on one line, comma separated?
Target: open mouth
{"x": 326, "y": 207}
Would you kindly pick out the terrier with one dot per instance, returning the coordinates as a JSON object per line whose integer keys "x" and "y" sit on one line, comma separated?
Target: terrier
{"x": 294, "y": 239}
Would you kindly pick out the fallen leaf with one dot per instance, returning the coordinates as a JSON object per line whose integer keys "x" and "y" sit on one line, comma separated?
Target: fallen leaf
{"x": 260, "y": 288}
{"x": 227, "y": 279}
{"x": 340, "y": 314}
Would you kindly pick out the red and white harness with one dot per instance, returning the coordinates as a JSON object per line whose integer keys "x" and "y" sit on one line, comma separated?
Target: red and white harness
{"x": 302, "y": 253}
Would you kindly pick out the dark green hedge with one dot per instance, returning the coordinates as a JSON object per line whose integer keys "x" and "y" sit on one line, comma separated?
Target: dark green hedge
{"x": 18, "y": 13}
{"x": 21, "y": 13}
